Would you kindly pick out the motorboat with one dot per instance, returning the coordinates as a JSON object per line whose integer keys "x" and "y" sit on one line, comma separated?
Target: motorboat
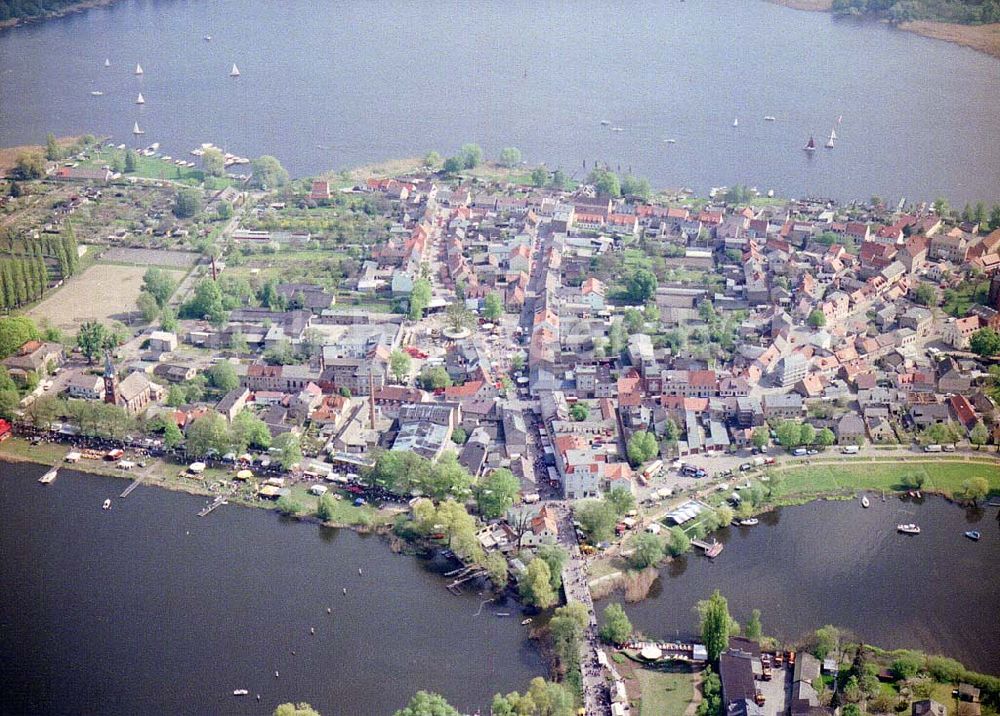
{"x": 768, "y": 118}
{"x": 207, "y": 38}
{"x": 526, "y": 622}
{"x": 107, "y": 504}
{"x": 973, "y": 535}
{"x": 617, "y": 129}
{"x": 670, "y": 141}
{"x": 864, "y": 502}
{"x": 97, "y": 93}
{"x": 240, "y": 692}
{"x": 908, "y": 529}
{"x": 605, "y": 122}
{"x": 749, "y": 522}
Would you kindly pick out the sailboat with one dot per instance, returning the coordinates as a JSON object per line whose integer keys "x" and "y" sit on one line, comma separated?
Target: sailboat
{"x": 736, "y": 121}
{"x": 832, "y": 139}
{"x": 136, "y": 130}
{"x": 107, "y": 62}
{"x": 810, "y": 145}
{"x": 235, "y": 72}
{"x": 138, "y": 69}
{"x": 140, "y": 99}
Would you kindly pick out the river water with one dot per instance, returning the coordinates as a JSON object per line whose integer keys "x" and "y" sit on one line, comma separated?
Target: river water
{"x": 836, "y": 563}
{"x": 147, "y": 608}
{"x": 340, "y": 83}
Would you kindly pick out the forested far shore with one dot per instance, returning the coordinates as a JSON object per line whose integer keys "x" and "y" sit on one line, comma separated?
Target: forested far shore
{"x": 14, "y": 11}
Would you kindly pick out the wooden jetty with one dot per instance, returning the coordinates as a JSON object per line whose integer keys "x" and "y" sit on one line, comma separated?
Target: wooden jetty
{"x": 464, "y": 575}
{"x": 712, "y": 549}
{"x": 48, "y": 477}
{"x": 217, "y": 502}
{"x": 128, "y": 490}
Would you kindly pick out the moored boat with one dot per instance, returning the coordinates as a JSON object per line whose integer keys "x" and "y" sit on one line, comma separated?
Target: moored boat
{"x": 973, "y": 535}
{"x": 106, "y": 505}
{"x": 749, "y": 522}
{"x": 526, "y": 622}
{"x": 240, "y": 692}
{"x": 908, "y": 529}
{"x": 864, "y": 501}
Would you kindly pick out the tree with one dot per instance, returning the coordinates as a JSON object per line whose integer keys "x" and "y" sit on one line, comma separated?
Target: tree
{"x": 472, "y": 155}
{"x": 147, "y": 306}
{"x": 15, "y": 331}
{"x": 753, "y": 630}
{"x": 187, "y": 203}
{"x": 907, "y": 665}
{"x": 9, "y": 401}
{"x": 817, "y": 319}
{"x": 250, "y": 431}
{"x": 924, "y": 294}
{"x": 452, "y": 165}
{"x": 539, "y": 176}
{"x": 647, "y": 551}
{"x": 268, "y": 173}
{"x": 579, "y": 411}
{"x": 985, "y": 342}
{"x": 558, "y": 180}
{"x": 458, "y": 317}
{"x": 621, "y": 499}
{"x": 420, "y": 298}
{"x": 679, "y": 542}
{"x": 789, "y": 434}
{"x": 641, "y": 286}
{"x": 536, "y": 585}
{"x": 225, "y": 210}
{"x": 636, "y": 186}
{"x": 759, "y": 438}
{"x": 208, "y": 433}
{"x": 172, "y": 435}
{"x": 711, "y": 692}
{"x": 495, "y": 565}
{"x": 979, "y": 435}
{"x": 510, "y": 156}
{"x": 616, "y": 628}
{"x": 300, "y": 709}
{"x": 715, "y": 625}
{"x": 131, "y": 161}
{"x": 634, "y": 320}
{"x": 827, "y": 641}
{"x": 289, "y": 450}
{"x": 93, "y": 339}
{"x": 213, "y": 162}
{"x": 168, "y": 320}
{"x": 492, "y": 307}
{"x": 641, "y": 447}
{"x": 29, "y": 165}
{"x": 554, "y": 556}
{"x": 53, "y": 152}
{"x": 597, "y": 519}
{"x": 426, "y": 703}
{"x": 605, "y": 182}
{"x": 807, "y": 434}
{"x": 497, "y": 493}
{"x": 975, "y": 489}
{"x": 399, "y": 364}
{"x": 431, "y": 159}
{"x": 434, "y": 378}
{"x": 159, "y": 284}
{"x": 825, "y": 437}
{"x": 206, "y": 303}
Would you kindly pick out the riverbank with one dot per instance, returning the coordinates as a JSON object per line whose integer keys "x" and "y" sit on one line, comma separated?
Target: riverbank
{"x": 62, "y": 12}
{"x": 982, "y": 38}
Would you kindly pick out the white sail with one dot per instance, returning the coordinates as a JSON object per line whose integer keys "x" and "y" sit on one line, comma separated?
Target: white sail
{"x": 235, "y": 72}
{"x": 138, "y": 69}
{"x": 139, "y": 99}
{"x": 736, "y": 121}
{"x": 136, "y": 130}
{"x": 833, "y": 134}
{"x": 107, "y": 62}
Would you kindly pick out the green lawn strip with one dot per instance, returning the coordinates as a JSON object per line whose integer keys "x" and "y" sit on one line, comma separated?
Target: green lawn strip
{"x": 664, "y": 693}
{"x": 945, "y": 476}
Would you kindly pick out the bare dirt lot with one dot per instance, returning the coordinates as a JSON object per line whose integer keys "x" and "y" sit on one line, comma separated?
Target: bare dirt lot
{"x": 101, "y": 293}
{"x": 151, "y": 257}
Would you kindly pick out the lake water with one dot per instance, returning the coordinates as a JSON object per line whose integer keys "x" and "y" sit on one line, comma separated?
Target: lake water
{"x": 148, "y": 608}
{"x": 336, "y": 84}
{"x": 836, "y": 563}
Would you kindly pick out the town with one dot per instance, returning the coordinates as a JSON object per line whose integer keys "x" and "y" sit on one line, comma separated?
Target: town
{"x": 560, "y": 381}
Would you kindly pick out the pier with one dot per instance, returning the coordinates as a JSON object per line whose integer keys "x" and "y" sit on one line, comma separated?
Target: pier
{"x": 712, "y": 549}
{"x": 462, "y": 576}
{"x": 128, "y": 490}
{"x": 217, "y": 502}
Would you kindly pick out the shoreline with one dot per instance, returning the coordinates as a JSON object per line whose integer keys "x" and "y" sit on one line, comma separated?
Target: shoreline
{"x": 52, "y": 14}
{"x": 981, "y": 38}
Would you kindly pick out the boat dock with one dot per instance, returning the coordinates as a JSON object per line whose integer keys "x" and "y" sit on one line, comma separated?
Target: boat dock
{"x": 712, "y": 549}
{"x": 462, "y": 576}
{"x": 48, "y": 477}
{"x": 218, "y": 501}
{"x": 128, "y": 490}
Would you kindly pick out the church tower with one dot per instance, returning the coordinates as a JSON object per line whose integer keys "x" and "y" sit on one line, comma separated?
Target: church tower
{"x": 110, "y": 380}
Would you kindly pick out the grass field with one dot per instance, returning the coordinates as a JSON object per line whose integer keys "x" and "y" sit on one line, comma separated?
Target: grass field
{"x": 941, "y": 475}
{"x": 663, "y": 693}
{"x": 101, "y": 293}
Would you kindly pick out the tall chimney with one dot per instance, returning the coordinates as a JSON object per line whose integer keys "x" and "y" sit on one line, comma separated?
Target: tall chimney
{"x": 371, "y": 398}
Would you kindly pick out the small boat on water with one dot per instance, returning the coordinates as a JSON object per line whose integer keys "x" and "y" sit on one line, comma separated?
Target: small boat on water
{"x": 617, "y": 129}
{"x": 670, "y": 141}
{"x": 864, "y": 502}
{"x": 140, "y": 99}
{"x": 207, "y": 38}
{"x": 908, "y": 529}
{"x": 136, "y": 130}
{"x": 138, "y": 69}
{"x": 48, "y": 477}
{"x": 106, "y": 505}
{"x": 736, "y": 121}
{"x": 503, "y": 614}
{"x": 97, "y": 93}
{"x": 235, "y": 72}
{"x": 768, "y": 118}
{"x": 605, "y": 122}
{"x": 833, "y": 138}
{"x": 107, "y": 62}
{"x": 749, "y": 522}
{"x": 526, "y": 622}
{"x": 240, "y": 692}
{"x": 973, "y": 535}
{"x": 810, "y": 145}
